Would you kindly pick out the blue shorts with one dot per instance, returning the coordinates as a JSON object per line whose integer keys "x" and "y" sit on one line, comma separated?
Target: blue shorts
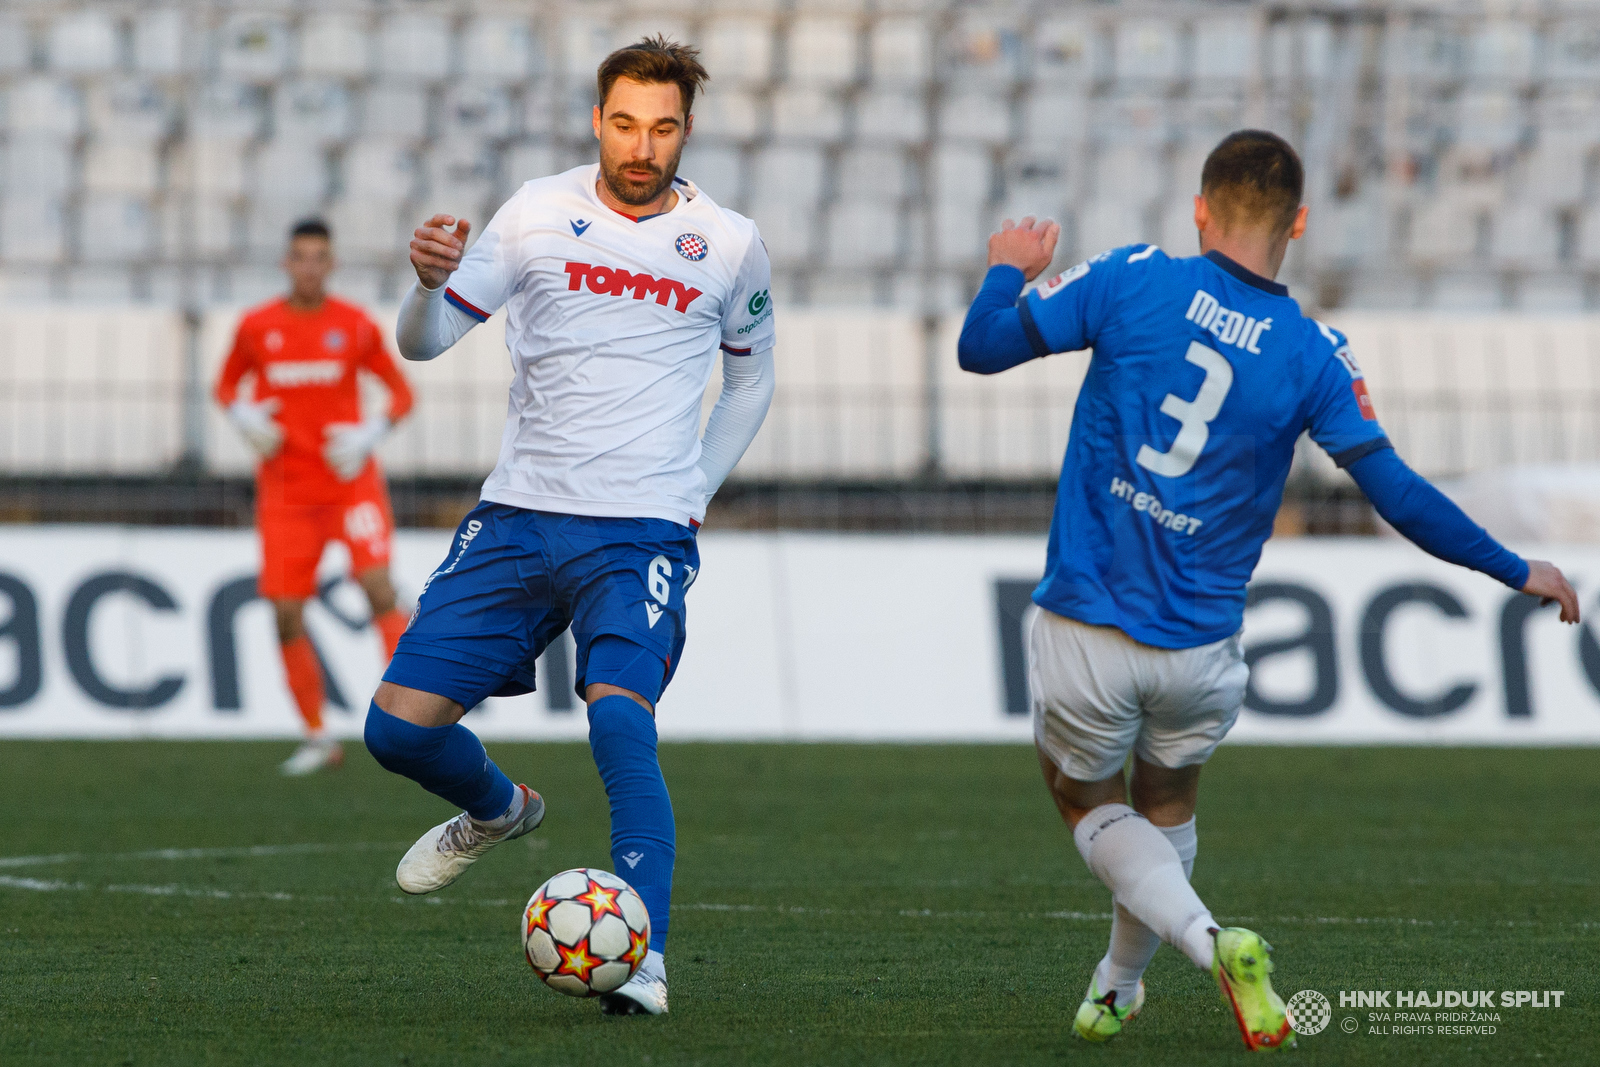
{"x": 514, "y": 579}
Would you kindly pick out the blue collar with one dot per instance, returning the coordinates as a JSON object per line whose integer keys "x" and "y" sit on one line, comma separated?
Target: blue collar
{"x": 1249, "y": 277}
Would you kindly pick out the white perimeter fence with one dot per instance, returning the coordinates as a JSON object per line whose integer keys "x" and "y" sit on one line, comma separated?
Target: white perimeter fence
{"x": 862, "y": 395}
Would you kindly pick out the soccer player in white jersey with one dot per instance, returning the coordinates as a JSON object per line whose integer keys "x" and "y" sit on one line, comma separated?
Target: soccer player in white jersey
{"x": 1204, "y": 375}
{"x": 620, "y": 282}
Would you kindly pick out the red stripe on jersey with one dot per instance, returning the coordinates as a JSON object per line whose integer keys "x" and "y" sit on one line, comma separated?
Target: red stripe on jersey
{"x": 736, "y": 351}
{"x": 471, "y": 309}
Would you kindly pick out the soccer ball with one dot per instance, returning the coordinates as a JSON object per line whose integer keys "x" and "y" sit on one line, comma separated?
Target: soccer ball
{"x": 585, "y": 932}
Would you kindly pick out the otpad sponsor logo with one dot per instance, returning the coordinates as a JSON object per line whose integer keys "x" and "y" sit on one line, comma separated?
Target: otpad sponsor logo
{"x": 692, "y": 246}
{"x": 1308, "y": 1012}
{"x": 758, "y": 302}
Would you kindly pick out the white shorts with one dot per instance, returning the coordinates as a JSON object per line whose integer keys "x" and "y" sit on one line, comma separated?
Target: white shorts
{"x": 1099, "y": 694}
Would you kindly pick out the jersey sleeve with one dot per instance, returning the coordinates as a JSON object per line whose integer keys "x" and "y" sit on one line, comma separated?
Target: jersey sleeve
{"x": 1341, "y": 417}
{"x": 376, "y": 358}
{"x": 747, "y": 324}
{"x": 488, "y": 274}
{"x": 1065, "y": 313}
{"x": 240, "y": 362}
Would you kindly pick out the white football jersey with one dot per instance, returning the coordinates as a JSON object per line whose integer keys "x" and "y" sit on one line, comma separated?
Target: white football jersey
{"x": 613, "y": 324}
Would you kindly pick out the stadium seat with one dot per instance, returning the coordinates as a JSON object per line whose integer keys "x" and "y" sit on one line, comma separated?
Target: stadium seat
{"x": 822, "y": 51}
{"x": 228, "y": 110}
{"x": 787, "y": 227}
{"x": 161, "y": 44}
{"x": 1067, "y": 51}
{"x": 209, "y": 166}
{"x": 525, "y": 161}
{"x": 395, "y": 111}
{"x": 336, "y": 45}
{"x": 873, "y": 174}
{"x": 961, "y": 234}
{"x": 1489, "y": 118}
{"x": 14, "y": 49}
{"x": 458, "y": 178}
{"x": 44, "y": 107}
{"x": 715, "y": 169}
{"x": 33, "y": 230}
{"x": 312, "y": 112}
{"x": 1552, "y": 294}
{"x": 83, "y": 42}
{"x": 116, "y": 228}
{"x": 1055, "y": 119}
{"x": 1570, "y": 54}
{"x": 125, "y": 167}
{"x": 1554, "y": 172}
{"x": 475, "y": 110}
{"x": 500, "y": 48}
{"x": 1445, "y": 230}
{"x": 726, "y": 115}
{"x": 1107, "y": 224}
{"x": 1501, "y": 51}
{"x": 383, "y": 170}
{"x": 864, "y": 234}
{"x": 901, "y": 51}
{"x": 371, "y": 230}
{"x": 787, "y": 173}
{"x": 739, "y": 49}
{"x": 37, "y": 167}
{"x": 290, "y": 169}
{"x": 253, "y": 47}
{"x": 978, "y": 115}
{"x": 1225, "y": 50}
{"x": 807, "y": 114}
{"x": 200, "y": 226}
{"x": 983, "y": 49}
{"x": 1588, "y": 238}
{"x": 1525, "y": 235}
{"x": 415, "y": 46}
{"x": 1131, "y": 174}
{"x": 893, "y": 116}
{"x": 130, "y": 109}
{"x": 1146, "y": 54}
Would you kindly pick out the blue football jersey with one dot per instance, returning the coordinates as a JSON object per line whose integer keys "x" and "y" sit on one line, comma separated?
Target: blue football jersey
{"x": 1203, "y": 376}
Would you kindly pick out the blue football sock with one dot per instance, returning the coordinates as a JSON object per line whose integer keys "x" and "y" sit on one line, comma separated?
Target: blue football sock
{"x": 447, "y": 761}
{"x": 643, "y": 839}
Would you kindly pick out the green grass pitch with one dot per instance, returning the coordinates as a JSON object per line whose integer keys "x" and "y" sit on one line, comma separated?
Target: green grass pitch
{"x": 834, "y": 905}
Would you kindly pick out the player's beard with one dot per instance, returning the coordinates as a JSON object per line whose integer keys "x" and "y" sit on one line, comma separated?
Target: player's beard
{"x": 638, "y": 193}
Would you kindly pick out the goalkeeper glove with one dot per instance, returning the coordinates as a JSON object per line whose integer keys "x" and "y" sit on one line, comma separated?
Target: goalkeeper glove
{"x": 350, "y": 443}
{"x": 255, "y": 423}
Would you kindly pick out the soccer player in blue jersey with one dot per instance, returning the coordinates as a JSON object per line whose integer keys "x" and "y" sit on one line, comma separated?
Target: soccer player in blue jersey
{"x": 1204, "y": 374}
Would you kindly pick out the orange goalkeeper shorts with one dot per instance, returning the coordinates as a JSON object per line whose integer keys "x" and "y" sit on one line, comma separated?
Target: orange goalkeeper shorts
{"x": 293, "y": 536}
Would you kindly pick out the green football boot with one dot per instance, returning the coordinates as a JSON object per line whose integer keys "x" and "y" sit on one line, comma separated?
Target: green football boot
{"x": 1243, "y": 968}
{"x": 1099, "y": 1018}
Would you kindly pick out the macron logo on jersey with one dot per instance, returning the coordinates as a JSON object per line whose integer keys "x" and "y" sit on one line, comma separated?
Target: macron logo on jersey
{"x": 305, "y": 372}
{"x": 612, "y": 281}
{"x": 1230, "y": 327}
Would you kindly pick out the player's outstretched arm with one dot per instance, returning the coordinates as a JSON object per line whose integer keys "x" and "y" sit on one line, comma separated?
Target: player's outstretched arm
{"x": 1433, "y": 522}
{"x": 993, "y": 338}
{"x": 428, "y": 323}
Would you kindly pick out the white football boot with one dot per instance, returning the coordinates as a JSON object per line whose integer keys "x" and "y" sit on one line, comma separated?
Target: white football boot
{"x": 643, "y": 994}
{"x": 312, "y": 756}
{"x": 441, "y": 855}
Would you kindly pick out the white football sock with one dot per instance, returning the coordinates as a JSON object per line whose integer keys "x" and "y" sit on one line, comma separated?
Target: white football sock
{"x": 1145, "y": 874}
{"x": 513, "y": 812}
{"x": 1133, "y": 944}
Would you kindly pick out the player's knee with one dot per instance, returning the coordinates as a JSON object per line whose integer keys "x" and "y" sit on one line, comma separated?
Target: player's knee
{"x": 290, "y": 616}
{"x": 398, "y": 745}
{"x": 616, "y": 664}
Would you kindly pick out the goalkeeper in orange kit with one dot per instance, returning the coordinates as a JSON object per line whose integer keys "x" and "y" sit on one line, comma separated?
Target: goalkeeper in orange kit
{"x": 318, "y": 480}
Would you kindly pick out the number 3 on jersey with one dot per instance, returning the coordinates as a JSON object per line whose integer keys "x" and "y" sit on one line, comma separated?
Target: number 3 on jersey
{"x": 1194, "y": 416}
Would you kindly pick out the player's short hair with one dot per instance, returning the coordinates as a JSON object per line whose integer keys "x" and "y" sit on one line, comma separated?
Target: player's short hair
{"x": 310, "y": 228}
{"x": 1253, "y": 177}
{"x": 655, "y": 60}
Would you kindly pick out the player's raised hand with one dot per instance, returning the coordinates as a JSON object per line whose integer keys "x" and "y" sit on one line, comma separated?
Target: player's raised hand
{"x": 1546, "y": 582}
{"x": 1029, "y": 245}
{"x": 436, "y": 248}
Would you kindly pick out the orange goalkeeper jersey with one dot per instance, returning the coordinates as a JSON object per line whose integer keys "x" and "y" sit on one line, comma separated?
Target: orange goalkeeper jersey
{"x": 307, "y": 361}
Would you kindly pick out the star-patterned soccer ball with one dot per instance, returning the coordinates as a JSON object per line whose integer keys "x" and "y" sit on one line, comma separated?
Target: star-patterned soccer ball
{"x": 585, "y": 932}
